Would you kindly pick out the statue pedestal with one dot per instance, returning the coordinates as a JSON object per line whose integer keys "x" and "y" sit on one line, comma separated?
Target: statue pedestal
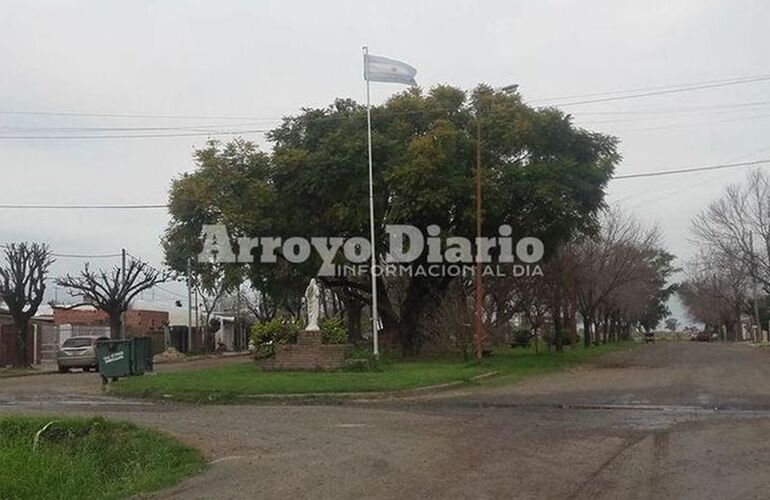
{"x": 307, "y": 354}
{"x": 309, "y": 337}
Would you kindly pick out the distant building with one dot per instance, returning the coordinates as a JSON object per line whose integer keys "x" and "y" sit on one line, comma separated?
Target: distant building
{"x": 138, "y": 322}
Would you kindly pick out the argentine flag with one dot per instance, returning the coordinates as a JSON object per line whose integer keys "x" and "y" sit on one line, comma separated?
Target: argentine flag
{"x": 384, "y": 69}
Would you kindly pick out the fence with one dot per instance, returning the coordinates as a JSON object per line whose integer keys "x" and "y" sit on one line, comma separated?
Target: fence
{"x": 45, "y": 339}
{"x": 41, "y": 343}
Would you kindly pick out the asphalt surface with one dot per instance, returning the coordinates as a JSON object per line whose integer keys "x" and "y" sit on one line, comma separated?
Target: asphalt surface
{"x": 671, "y": 420}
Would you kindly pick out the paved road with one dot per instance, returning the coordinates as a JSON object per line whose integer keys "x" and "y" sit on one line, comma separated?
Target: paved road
{"x": 672, "y": 420}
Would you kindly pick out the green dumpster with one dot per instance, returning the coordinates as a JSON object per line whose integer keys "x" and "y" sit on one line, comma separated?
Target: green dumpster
{"x": 141, "y": 355}
{"x": 114, "y": 358}
{"x": 121, "y": 358}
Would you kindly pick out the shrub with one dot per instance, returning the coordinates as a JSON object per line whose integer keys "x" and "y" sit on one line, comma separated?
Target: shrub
{"x": 520, "y": 337}
{"x": 567, "y": 338}
{"x": 449, "y": 327}
{"x": 333, "y": 331}
{"x": 266, "y": 336}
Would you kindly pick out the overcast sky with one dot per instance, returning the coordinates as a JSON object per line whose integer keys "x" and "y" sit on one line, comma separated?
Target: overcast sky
{"x": 256, "y": 61}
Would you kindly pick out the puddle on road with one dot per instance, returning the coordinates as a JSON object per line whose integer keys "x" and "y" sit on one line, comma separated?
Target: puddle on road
{"x": 70, "y": 401}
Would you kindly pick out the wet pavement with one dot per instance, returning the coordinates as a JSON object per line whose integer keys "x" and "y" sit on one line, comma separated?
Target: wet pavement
{"x": 671, "y": 420}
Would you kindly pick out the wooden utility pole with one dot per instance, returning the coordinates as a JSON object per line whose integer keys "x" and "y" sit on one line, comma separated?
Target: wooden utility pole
{"x": 239, "y": 326}
{"x": 758, "y": 330}
{"x": 189, "y": 304}
{"x": 478, "y": 332}
{"x": 123, "y": 281}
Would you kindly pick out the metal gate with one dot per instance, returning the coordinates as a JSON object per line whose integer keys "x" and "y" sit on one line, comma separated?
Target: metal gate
{"x": 48, "y": 342}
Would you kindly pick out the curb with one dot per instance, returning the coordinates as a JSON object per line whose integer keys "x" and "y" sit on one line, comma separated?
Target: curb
{"x": 332, "y": 396}
{"x": 32, "y": 374}
{"x": 198, "y": 357}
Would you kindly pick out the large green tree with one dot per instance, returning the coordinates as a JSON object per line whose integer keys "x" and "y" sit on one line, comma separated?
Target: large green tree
{"x": 541, "y": 174}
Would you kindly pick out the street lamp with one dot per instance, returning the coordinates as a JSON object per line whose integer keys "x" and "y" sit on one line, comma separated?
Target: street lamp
{"x": 478, "y": 332}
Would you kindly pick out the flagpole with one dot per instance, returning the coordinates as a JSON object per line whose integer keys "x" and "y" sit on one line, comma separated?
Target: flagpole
{"x": 371, "y": 210}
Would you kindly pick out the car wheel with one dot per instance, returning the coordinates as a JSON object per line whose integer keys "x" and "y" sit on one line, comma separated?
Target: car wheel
{"x": 63, "y": 370}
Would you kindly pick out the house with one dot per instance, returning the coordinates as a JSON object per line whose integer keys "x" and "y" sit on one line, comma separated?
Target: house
{"x": 138, "y": 322}
{"x": 87, "y": 320}
{"x": 39, "y": 344}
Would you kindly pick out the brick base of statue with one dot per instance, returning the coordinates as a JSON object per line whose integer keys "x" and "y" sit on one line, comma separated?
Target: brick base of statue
{"x": 307, "y": 354}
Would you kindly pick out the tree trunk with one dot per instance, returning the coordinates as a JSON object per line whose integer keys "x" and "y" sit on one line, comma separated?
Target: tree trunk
{"x": 411, "y": 311}
{"x": 605, "y": 330}
{"x": 353, "y": 310}
{"x": 115, "y": 325}
{"x": 408, "y": 326}
{"x": 586, "y": 331}
{"x": 572, "y": 324}
{"x": 421, "y": 293}
{"x": 558, "y": 339}
{"x": 20, "y": 360}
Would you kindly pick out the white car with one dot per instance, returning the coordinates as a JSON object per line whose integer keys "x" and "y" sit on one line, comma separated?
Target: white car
{"x": 78, "y": 352}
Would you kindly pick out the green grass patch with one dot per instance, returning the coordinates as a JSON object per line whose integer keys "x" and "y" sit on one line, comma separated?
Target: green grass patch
{"x": 88, "y": 458}
{"x": 515, "y": 364}
{"x": 243, "y": 382}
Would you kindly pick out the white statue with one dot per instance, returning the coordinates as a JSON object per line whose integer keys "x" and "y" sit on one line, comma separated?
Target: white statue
{"x": 312, "y": 296}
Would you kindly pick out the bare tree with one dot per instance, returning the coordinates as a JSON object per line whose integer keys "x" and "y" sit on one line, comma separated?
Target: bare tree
{"x": 113, "y": 290}
{"x": 737, "y": 226}
{"x": 22, "y": 286}
{"x": 258, "y": 304}
{"x": 449, "y": 325}
{"x": 716, "y": 292}
{"x": 213, "y": 281}
{"x": 609, "y": 262}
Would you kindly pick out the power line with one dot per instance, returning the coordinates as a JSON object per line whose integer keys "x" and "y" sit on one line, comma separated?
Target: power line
{"x": 157, "y": 271}
{"x": 191, "y": 128}
{"x": 653, "y": 90}
{"x": 125, "y": 115}
{"x": 602, "y": 96}
{"x": 654, "y": 117}
{"x": 78, "y": 256}
{"x": 673, "y": 125}
{"x": 132, "y": 136}
{"x": 680, "y": 109}
{"x": 654, "y": 87}
{"x": 690, "y": 186}
{"x": 86, "y": 256}
{"x": 694, "y": 169}
{"x": 210, "y": 129}
{"x": 198, "y": 130}
{"x": 251, "y": 119}
{"x": 83, "y": 207}
{"x": 617, "y": 177}
{"x": 660, "y": 92}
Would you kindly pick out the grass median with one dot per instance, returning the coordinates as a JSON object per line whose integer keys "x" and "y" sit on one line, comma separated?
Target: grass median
{"x": 243, "y": 382}
{"x": 93, "y": 458}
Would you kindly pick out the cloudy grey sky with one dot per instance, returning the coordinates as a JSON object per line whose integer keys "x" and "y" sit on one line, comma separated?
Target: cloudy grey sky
{"x": 258, "y": 60}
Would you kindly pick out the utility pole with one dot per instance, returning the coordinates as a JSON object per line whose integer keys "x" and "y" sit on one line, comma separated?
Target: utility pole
{"x": 758, "y": 335}
{"x": 478, "y": 332}
{"x": 241, "y": 337}
{"x": 189, "y": 304}
{"x": 123, "y": 285}
{"x": 197, "y": 311}
{"x": 478, "y": 320}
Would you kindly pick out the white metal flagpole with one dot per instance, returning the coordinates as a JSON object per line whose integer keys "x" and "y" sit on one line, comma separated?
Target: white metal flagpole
{"x": 371, "y": 210}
